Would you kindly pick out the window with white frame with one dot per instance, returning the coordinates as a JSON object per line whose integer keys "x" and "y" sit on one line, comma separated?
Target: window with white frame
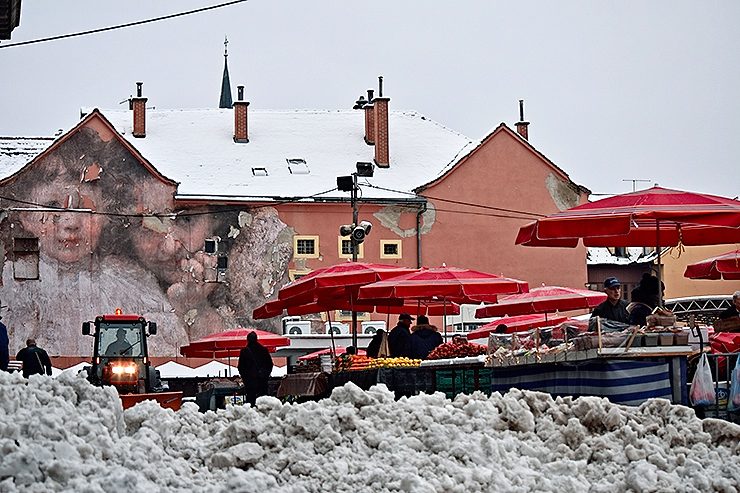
{"x": 390, "y": 249}
{"x": 305, "y": 246}
{"x": 345, "y": 248}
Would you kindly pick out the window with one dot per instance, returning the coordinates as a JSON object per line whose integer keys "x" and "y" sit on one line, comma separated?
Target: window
{"x": 306, "y": 247}
{"x": 345, "y": 248}
{"x": 294, "y": 274}
{"x": 390, "y": 249}
{"x": 26, "y": 258}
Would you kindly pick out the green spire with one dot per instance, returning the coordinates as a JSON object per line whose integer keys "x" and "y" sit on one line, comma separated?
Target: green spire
{"x": 226, "y": 101}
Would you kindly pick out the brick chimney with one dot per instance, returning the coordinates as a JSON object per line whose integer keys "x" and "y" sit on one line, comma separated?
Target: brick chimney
{"x": 369, "y": 119}
{"x": 521, "y": 125}
{"x": 138, "y": 104}
{"x": 241, "y": 129}
{"x": 382, "y": 157}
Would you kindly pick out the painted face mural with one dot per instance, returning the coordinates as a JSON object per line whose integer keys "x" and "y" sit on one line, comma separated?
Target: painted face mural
{"x": 110, "y": 235}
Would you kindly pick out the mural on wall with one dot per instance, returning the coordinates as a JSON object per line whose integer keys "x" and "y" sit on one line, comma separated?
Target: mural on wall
{"x": 88, "y": 228}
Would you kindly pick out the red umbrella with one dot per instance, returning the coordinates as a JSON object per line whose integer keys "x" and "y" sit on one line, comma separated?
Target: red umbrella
{"x": 725, "y": 266}
{"x": 653, "y": 217}
{"x": 276, "y": 308}
{"x": 444, "y": 283}
{"x": 342, "y": 275}
{"x": 230, "y": 342}
{"x": 544, "y": 299}
{"x": 516, "y": 324}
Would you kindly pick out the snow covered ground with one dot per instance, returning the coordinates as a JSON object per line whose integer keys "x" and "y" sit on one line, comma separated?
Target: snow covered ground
{"x": 63, "y": 434}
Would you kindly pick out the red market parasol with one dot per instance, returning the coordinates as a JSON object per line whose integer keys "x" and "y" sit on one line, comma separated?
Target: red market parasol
{"x": 656, "y": 217}
{"x": 230, "y": 342}
{"x": 342, "y": 275}
{"x": 545, "y": 299}
{"x": 516, "y": 324}
{"x": 444, "y": 284}
{"x": 725, "y": 266}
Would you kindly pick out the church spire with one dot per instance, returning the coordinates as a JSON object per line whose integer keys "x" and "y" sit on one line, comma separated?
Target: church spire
{"x": 226, "y": 101}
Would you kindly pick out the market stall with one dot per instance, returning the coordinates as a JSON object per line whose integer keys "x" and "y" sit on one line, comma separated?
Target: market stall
{"x": 628, "y": 365}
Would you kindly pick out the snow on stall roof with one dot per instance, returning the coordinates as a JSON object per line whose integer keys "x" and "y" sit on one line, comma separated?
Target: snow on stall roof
{"x": 633, "y": 255}
{"x": 173, "y": 369}
{"x": 65, "y": 435}
{"x": 196, "y": 149}
{"x": 16, "y": 152}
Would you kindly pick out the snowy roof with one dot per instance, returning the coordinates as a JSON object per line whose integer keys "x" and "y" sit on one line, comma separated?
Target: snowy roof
{"x": 16, "y": 152}
{"x": 196, "y": 149}
{"x": 633, "y": 255}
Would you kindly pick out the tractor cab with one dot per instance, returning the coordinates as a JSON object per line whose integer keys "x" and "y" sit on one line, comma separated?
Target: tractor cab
{"x": 120, "y": 354}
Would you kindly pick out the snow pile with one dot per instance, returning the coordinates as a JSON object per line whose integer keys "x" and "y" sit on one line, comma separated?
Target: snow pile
{"x": 65, "y": 435}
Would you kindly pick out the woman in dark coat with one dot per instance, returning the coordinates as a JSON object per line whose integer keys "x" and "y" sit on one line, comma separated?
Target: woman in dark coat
{"x": 255, "y": 366}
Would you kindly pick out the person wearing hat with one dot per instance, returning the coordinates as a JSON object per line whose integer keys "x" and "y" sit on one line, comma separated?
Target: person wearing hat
{"x": 398, "y": 338}
{"x": 424, "y": 338}
{"x": 614, "y": 308}
{"x": 35, "y": 360}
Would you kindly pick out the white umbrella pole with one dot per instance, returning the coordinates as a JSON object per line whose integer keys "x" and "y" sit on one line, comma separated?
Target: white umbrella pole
{"x": 660, "y": 271}
{"x": 444, "y": 315}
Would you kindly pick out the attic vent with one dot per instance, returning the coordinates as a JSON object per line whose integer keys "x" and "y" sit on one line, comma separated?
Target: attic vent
{"x": 259, "y": 171}
{"x": 297, "y": 166}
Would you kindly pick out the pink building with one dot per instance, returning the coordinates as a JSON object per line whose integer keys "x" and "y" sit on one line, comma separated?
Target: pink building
{"x": 195, "y": 217}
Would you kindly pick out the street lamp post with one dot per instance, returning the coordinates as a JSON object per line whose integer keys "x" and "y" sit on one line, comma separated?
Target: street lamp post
{"x": 357, "y": 230}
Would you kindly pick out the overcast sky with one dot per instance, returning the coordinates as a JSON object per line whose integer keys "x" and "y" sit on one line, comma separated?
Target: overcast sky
{"x": 613, "y": 90}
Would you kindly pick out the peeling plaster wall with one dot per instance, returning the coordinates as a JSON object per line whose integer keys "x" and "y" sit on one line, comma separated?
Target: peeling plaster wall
{"x": 391, "y": 216}
{"x": 562, "y": 193}
{"x": 96, "y": 252}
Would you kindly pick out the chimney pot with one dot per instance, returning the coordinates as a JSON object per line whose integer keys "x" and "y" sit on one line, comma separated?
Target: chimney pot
{"x": 138, "y": 104}
{"x": 380, "y": 86}
{"x": 370, "y": 94}
{"x": 522, "y": 127}
{"x": 382, "y": 157}
{"x": 241, "y": 128}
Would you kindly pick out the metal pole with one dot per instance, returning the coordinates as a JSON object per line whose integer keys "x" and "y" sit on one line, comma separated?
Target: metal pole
{"x": 355, "y": 246}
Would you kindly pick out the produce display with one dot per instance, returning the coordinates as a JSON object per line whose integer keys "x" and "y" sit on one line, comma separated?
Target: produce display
{"x": 459, "y": 348}
{"x": 352, "y": 362}
{"x": 400, "y": 362}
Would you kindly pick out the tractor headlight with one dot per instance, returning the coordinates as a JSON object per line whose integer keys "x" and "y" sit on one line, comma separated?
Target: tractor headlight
{"x": 123, "y": 369}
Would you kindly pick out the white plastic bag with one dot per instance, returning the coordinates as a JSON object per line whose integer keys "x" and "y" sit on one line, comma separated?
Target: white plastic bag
{"x": 702, "y": 386}
{"x": 733, "y": 403}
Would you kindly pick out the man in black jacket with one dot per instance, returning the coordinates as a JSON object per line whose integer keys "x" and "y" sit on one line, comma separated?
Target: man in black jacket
{"x": 34, "y": 359}
{"x": 734, "y": 308}
{"x": 255, "y": 366}
{"x": 614, "y": 308}
{"x": 424, "y": 338}
{"x": 398, "y": 338}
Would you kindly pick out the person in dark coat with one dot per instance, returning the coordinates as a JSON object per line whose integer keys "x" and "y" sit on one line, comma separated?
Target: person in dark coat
{"x": 614, "y": 307}
{"x": 644, "y": 299}
{"x": 35, "y": 360}
{"x": 255, "y": 366}
{"x": 398, "y": 338}
{"x": 374, "y": 347}
{"x": 734, "y": 309}
{"x": 424, "y": 338}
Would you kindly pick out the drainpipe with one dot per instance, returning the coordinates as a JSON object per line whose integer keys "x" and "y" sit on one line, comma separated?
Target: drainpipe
{"x": 421, "y": 211}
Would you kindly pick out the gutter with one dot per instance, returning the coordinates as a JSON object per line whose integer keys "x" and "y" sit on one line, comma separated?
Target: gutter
{"x": 422, "y": 210}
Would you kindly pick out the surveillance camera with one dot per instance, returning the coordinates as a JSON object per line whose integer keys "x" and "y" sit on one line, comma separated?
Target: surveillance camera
{"x": 346, "y": 229}
{"x": 358, "y": 234}
{"x": 367, "y": 226}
